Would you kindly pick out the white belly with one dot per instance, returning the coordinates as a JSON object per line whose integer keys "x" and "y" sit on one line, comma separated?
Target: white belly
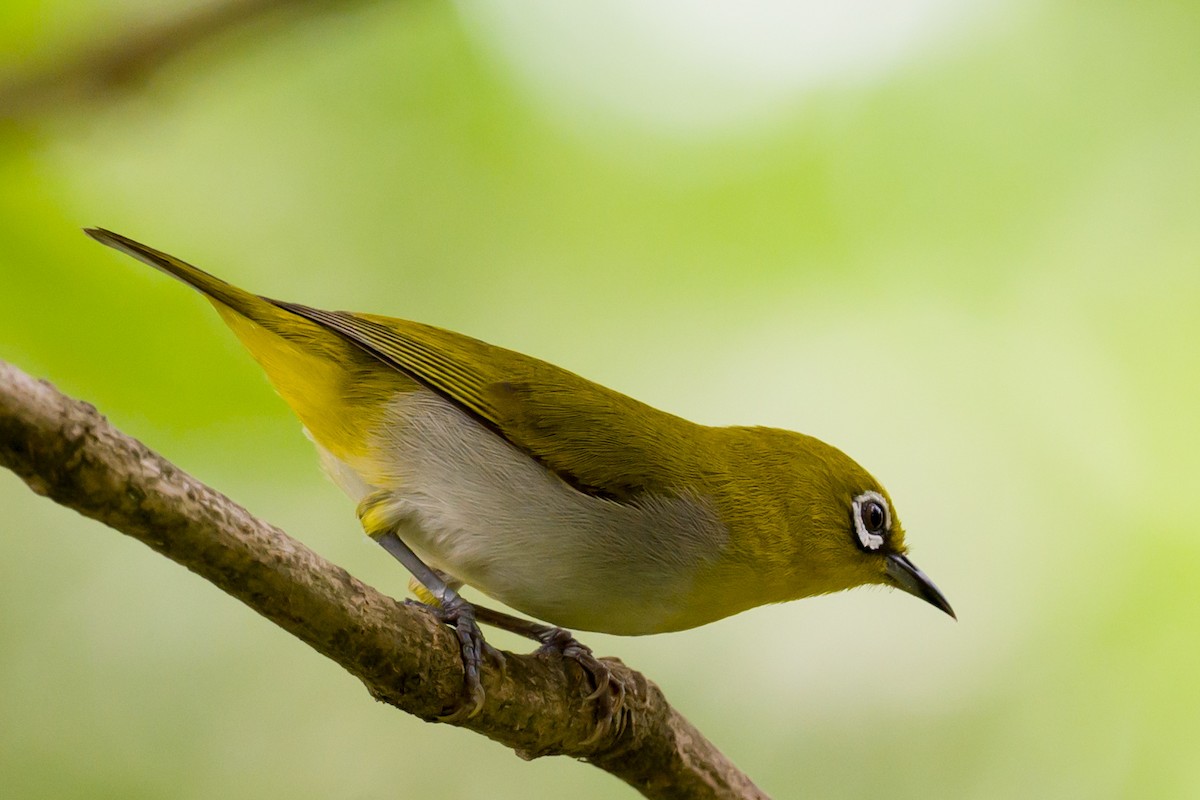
{"x": 470, "y": 504}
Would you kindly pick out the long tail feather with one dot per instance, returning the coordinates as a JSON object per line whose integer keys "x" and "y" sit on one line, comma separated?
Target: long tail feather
{"x": 245, "y": 303}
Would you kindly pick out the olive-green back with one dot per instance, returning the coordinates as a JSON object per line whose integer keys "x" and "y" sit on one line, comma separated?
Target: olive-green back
{"x": 598, "y": 440}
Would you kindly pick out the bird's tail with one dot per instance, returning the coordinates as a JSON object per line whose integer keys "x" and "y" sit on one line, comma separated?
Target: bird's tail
{"x": 313, "y": 368}
{"x": 248, "y": 304}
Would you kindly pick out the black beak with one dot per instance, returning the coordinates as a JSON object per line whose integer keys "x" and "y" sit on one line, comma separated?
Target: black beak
{"x": 906, "y": 576}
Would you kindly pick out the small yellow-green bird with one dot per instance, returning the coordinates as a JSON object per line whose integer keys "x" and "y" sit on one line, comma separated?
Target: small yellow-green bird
{"x": 569, "y": 502}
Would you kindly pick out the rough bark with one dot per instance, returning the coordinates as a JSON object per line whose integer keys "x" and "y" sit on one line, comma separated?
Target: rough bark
{"x": 65, "y": 450}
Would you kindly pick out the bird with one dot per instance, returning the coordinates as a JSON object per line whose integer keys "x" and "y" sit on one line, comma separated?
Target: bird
{"x": 576, "y": 505}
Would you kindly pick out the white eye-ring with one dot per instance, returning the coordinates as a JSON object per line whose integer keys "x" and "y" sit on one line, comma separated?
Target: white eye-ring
{"x": 872, "y": 519}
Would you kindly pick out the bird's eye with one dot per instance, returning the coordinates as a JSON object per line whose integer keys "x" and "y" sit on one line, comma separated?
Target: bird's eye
{"x": 872, "y": 516}
{"x": 872, "y": 520}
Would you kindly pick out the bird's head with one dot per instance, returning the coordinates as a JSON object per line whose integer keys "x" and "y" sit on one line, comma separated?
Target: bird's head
{"x": 842, "y": 526}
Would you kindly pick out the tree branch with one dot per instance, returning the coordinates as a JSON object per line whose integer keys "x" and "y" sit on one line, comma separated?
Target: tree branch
{"x": 128, "y": 57}
{"x": 65, "y": 450}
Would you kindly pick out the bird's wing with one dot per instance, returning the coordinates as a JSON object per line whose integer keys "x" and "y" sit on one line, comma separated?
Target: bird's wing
{"x": 597, "y": 440}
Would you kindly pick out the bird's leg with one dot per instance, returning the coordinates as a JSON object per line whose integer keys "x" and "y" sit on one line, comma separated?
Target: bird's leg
{"x": 448, "y": 606}
{"x": 437, "y": 593}
{"x": 451, "y": 610}
{"x": 608, "y": 692}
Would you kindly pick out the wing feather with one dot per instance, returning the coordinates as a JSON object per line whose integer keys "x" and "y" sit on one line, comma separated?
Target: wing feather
{"x": 597, "y": 440}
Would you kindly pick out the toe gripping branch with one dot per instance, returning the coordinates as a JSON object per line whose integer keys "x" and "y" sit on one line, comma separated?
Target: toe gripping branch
{"x": 460, "y": 615}
{"x": 608, "y": 693}
{"x": 455, "y": 612}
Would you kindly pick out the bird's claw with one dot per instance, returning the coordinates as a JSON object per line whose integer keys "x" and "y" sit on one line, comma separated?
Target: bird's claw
{"x": 608, "y": 693}
{"x": 460, "y": 615}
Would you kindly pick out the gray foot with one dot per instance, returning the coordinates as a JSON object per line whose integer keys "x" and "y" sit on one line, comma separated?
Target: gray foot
{"x": 460, "y": 615}
{"x": 608, "y": 693}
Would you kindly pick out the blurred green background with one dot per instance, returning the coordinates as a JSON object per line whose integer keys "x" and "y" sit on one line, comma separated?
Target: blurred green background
{"x": 959, "y": 241}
